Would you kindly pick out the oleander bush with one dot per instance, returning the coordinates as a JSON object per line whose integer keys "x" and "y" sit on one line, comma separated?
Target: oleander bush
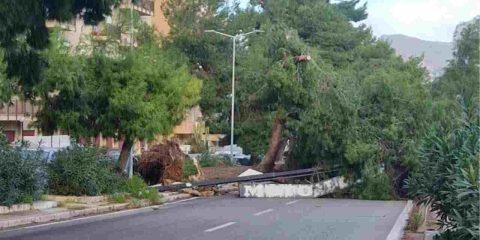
{"x": 22, "y": 176}
{"x": 448, "y": 180}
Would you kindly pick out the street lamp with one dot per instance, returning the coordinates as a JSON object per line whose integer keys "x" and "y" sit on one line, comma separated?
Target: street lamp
{"x": 234, "y": 40}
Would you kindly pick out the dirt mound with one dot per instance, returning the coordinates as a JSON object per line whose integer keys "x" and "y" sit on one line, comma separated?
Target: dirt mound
{"x": 162, "y": 162}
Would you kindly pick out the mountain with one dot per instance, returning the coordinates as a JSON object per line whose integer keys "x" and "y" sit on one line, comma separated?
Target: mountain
{"x": 458, "y": 30}
{"x": 436, "y": 54}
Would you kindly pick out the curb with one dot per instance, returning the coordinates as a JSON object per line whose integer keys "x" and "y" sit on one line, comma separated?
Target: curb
{"x": 399, "y": 227}
{"x": 14, "y": 232}
{"x": 62, "y": 216}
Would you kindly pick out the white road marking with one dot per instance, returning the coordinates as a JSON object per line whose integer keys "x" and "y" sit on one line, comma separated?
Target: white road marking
{"x": 292, "y": 202}
{"x": 263, "y": 212}
{"x": 220, "y": 227}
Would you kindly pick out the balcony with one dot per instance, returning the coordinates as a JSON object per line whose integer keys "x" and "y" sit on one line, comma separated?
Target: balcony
{"x": 143, "y": 7}
{"x": 17, "y": 110}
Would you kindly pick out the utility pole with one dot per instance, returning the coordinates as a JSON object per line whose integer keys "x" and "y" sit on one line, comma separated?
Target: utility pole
{"x": 234, "y": 40}
{"x": 130, "y": 155}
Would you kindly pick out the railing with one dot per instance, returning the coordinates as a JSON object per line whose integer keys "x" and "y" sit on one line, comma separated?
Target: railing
{"x": 144, "y": 7}
{"x": 146, "y": 4}
{"x": 17, "y": 110}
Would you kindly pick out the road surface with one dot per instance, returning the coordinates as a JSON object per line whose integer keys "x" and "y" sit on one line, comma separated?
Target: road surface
{"x": 231, "y": 218}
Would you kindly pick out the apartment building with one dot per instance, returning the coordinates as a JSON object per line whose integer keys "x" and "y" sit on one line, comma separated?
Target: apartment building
{"x": 16, "y": 117}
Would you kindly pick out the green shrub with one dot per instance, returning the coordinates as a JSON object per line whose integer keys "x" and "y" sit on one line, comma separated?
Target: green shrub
{"x": 188, "y": 168}
{"x": 448, "y": 180}
{"x": 136, "y": 188}
{"x": 22, "y": 178}
{"x": 207, "y": 160}
{"x": 117, "y": 198}
{"x": 153, "y": 196}
{"x": 82, "y": 171}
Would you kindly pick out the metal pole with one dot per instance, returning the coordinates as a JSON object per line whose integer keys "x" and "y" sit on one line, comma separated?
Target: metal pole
{"x": 130, "y": 163}
{"x": 131, "y": 23}
{"x": 234, "y": 38}
{"x": 233, "y": 99}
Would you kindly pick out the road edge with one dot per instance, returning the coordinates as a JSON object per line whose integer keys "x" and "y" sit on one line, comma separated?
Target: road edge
{"x": 398, "y": 229}
{"x": 9, "y": 232}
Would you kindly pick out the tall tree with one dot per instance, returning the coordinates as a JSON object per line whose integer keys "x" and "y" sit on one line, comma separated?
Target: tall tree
{"x": 132, "y": 94}
{"x": 335, "y": 93}
{"x": 460, "y": 78}
{"x": 23, "y": 34}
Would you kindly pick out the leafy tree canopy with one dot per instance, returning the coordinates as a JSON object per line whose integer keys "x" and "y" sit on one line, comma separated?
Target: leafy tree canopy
{"x": 128, "y": 93}
{"x": 23, "y": 33}
{"x": 342, "y": 97}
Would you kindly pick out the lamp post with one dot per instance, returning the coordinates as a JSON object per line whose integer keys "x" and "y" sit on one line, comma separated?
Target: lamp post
{"x": 234, "y": 40}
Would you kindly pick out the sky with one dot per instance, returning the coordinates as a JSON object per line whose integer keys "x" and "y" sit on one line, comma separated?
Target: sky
{"x": 433, "y": 20}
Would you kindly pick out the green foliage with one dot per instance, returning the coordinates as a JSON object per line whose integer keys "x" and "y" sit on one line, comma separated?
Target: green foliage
{"x": 24, "y": 34}
{"x": 415, "y": 221}
{"x": 21, "y": 176}
{"x": 153, "y": 196}
{"x": 208, "y": 160}
{"x": 82, "y": 171}
{"x": 460, "y": 78}
{"x": 375, "y": 184}
{"x": 448, "y": 179}
{"x": 127, "y": 94}
{"x": 350, "y": 102}
{"x": 117, "y": 198}
{"x": 135, "y": 189}
{"x": 188, "y": 169}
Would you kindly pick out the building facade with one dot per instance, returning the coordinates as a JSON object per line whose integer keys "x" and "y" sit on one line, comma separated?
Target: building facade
{"x": 17, "y": 116}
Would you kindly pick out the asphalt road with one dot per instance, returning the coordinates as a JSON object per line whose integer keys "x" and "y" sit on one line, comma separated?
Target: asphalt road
{"x": 231, "y": 218}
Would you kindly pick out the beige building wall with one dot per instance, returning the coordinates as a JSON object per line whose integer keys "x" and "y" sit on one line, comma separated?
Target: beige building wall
{"x": 159, "y": 21}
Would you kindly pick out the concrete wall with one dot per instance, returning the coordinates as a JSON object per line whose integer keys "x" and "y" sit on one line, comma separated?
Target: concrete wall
{"x": 268, "y": 190}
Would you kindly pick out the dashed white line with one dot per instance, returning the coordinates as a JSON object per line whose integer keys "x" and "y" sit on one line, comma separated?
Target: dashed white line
{"x": 292, "y": 202}
{"x": 220, "y": 227}
{"x": 263, "y": 212}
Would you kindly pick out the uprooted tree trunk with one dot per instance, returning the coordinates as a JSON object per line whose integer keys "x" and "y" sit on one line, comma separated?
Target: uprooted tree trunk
{"x": 125, "y": 152}
{"x": 274, "y": 152}
{"x": 162, "y": 163}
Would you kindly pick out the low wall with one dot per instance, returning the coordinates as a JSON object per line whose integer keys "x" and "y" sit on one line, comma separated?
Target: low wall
{"x": 270, "y": 190}
{"x": 37, "y": 205}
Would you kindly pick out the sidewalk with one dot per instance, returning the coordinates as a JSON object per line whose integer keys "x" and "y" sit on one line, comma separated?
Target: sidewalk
{"x": 69, "y": 209}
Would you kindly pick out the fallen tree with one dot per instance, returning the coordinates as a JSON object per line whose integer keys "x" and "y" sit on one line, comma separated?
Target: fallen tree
{"x": 162, "y": 163}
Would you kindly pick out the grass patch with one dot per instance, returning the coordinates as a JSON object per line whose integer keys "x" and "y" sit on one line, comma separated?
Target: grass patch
{"x": 117, "y": 198}
{"x": 416, "y": 220}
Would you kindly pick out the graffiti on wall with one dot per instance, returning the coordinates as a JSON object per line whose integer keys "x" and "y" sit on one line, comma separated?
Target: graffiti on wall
{"x": 270, "y": 190}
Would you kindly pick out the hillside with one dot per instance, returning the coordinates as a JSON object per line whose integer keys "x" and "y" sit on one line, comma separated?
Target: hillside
{"x": 436, "y": 54}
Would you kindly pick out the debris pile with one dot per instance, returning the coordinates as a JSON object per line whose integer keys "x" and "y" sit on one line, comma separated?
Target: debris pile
{"x": 162, "y": 163}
